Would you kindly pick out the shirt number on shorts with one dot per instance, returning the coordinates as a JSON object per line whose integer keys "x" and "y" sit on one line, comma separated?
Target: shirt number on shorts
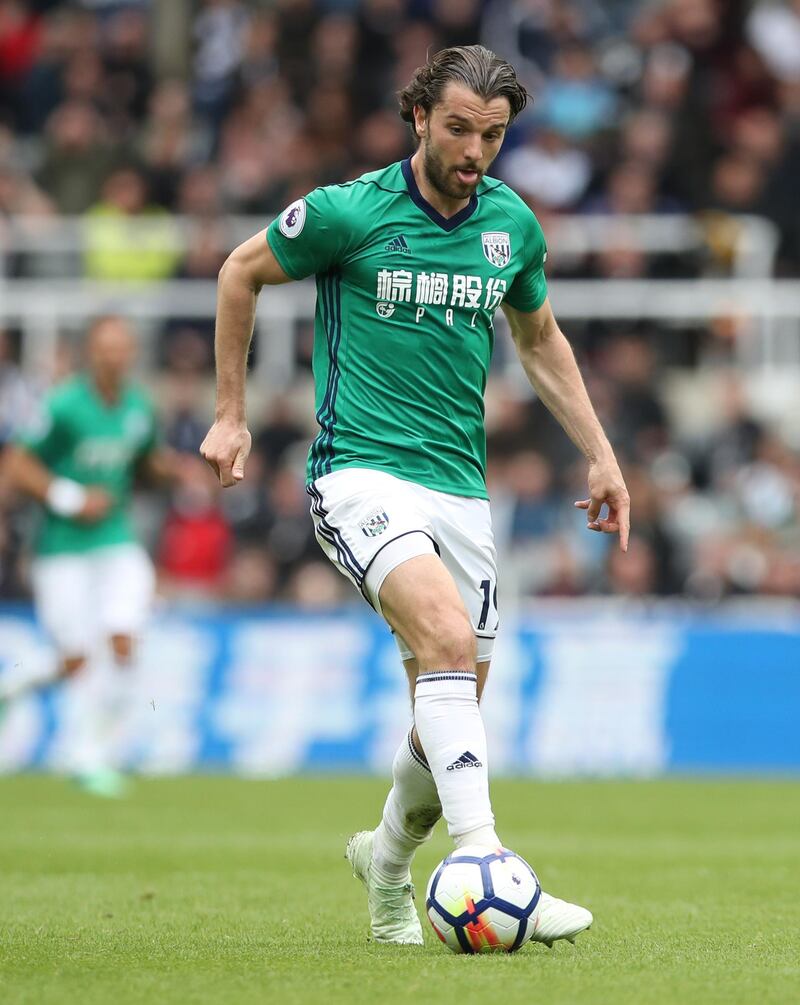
{"x": 489, "y": 595}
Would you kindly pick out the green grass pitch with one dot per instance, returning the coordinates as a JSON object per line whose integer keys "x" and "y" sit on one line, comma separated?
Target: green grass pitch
{"x": 212, "y": 890}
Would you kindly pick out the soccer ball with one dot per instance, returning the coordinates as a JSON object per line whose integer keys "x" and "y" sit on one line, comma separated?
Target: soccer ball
{"x": 481, "y": 901}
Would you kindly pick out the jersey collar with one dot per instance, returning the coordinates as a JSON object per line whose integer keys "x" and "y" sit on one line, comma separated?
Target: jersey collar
{"x": 446, "y": 223}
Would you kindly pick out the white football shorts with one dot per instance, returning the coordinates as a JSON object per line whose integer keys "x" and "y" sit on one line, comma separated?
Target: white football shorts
{"x": 81, "y": 598}
{"x": 369, "y": 522}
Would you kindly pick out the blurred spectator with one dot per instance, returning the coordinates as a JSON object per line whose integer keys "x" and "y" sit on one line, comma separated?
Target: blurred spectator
{"x": 639, "y": 107}
{"x": 219, "y": 31}
{"x": 639, "y": 423}
{"x": 774, "y": 32}
{"x": 167, "y": 142}
{"x": 458, "y": 20}
{"x": 316, "y": 585}
{"x": 252, "y": 577}
{"x": 196, "y": 542}
{"x": 279, "y": 431}
{"x": 289, "y": 532}
{"x": 632, "y": 574}
{"x": 333, "y": 50}
{"x": 185, "y": 419}
{"x": 259, "y": 61}
{"x": 78, "y": 156}
{"x": 20, "y": 37}
{"x": 631, "y": 187}
{"x": 20, "y": 196}
{"x": 126, "y": 236}
{"x": 18, "y": 398}
{"x": 128, "y": 78}
{"x": 737, "y": 183}
{"x": 536, "y": 508}
{"x": 548, "y": 170}
{"x": 576, "y": 101}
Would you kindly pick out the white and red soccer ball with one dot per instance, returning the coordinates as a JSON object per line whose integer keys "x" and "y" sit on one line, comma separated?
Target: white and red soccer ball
{"x": 481, "y": 901}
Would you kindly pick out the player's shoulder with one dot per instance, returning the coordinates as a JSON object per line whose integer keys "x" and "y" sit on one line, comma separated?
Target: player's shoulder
{"x": 382, "y": 185}
{"x": 505, "y": 201}
{"x": 67, "y": 393}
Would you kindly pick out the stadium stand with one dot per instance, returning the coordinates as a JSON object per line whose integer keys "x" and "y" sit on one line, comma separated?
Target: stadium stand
{"x": 671, "y": 128}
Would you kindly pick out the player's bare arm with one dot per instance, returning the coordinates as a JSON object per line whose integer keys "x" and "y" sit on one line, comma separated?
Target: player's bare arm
{"x": 248, "y": 268}
{"x": 64, "y": 497}
{"x": 549, "y": 362}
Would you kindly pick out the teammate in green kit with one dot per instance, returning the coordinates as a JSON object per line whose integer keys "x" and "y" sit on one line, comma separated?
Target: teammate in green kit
{"x": 92, "y": 581}
{"x": 411, "y": 263}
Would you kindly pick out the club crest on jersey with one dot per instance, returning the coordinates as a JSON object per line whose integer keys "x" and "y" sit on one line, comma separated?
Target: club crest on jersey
{"x": 293, "y": 219}
{"x": 496, "y": 247}
{"x": 375, "y": 524}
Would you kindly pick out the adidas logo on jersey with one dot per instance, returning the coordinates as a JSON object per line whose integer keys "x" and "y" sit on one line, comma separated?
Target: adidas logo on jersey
{"x": 467, "y": 760}
{"x": 399, "y": 244}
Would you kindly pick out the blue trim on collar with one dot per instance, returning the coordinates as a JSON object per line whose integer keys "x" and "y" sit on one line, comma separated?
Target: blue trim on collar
{"x": 446, "y": 223}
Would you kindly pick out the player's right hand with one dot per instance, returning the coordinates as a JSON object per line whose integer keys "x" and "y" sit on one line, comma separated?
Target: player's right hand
{"x": 98, "y": 503}
{"x": 226, "y": 449}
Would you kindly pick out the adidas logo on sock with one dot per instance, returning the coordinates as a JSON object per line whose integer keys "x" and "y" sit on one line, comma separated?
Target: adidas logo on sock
{"x": 398, "y": 243}
{"x": 467, "y": 760}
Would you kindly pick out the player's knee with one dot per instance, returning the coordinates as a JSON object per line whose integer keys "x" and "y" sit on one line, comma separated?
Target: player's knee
{"x": 71, "y": 665}
{"x": 122, "y": 648}
{"x": 447, "y": 641}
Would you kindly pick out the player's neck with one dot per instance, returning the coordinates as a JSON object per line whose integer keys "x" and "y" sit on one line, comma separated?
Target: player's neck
{"x": 108, "y": 389}
{"x": 441, "y": 203}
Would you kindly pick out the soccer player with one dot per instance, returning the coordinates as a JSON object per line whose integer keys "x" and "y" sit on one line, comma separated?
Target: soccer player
{"x": 411, "y": 262}
{"x": 92, "y": 581}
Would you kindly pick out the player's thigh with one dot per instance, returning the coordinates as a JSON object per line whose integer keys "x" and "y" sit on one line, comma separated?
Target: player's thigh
{"x": 422, "y": 604}
{"x": 65, "y": 607}
{"x": 463, "y": 530}
{"x": 124, "y": 582}
{"x": 368, "y": 522}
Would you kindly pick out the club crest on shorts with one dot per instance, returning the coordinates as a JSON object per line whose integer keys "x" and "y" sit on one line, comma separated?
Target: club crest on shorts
{"x": 496, "y": 247}
{"x": 375, "y": 524}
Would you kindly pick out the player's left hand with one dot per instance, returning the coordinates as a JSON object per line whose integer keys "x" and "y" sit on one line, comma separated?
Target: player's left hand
{"x": 607, "y": 487}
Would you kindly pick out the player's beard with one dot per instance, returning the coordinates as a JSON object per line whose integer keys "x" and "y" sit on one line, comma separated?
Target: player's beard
{"x": 443, "y": 178}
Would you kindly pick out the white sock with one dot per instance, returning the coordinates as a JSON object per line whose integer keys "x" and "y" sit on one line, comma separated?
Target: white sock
{"x": 409, "y": 816}
{"x": 451, "y": 731}
{"x": 30, "y": 675}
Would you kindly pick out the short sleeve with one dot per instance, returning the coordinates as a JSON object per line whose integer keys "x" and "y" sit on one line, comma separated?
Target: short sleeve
{"x": 529, "y": 289}
{"x": 312, "y": 234}
{"x": 48, "y": 434}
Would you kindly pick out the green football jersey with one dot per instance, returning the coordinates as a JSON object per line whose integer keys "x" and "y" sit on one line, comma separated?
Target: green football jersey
{"x": 403, "y": 328}
{"x": 83, "y": 437}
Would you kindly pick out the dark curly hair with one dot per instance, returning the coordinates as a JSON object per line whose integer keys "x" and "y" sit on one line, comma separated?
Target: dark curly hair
{"x": 480, "y": 70}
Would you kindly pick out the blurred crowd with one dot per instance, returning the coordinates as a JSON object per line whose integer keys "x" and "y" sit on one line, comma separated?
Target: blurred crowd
{"x": 640, "y": 106}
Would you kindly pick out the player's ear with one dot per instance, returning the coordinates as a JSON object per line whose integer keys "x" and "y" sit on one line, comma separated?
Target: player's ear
{"x": 420, "y": 119}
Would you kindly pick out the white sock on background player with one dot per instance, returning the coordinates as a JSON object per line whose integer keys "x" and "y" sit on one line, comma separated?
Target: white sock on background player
{"x": 451, "y": 732}
{"x": 409, "y": 815}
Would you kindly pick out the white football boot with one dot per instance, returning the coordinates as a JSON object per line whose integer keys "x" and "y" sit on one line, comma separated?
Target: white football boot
{"x": 558, "y": 919}
{"x": 393, "y": 917}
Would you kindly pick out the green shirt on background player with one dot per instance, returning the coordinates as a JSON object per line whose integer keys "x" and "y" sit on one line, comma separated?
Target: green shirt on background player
{"x": 405, "y": 302}
{"x": 96, "y": 443}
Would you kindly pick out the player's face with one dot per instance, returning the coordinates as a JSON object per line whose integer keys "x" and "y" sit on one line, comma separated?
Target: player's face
{"x": 111, "y": 350}
{"x": 462, "y": 136}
